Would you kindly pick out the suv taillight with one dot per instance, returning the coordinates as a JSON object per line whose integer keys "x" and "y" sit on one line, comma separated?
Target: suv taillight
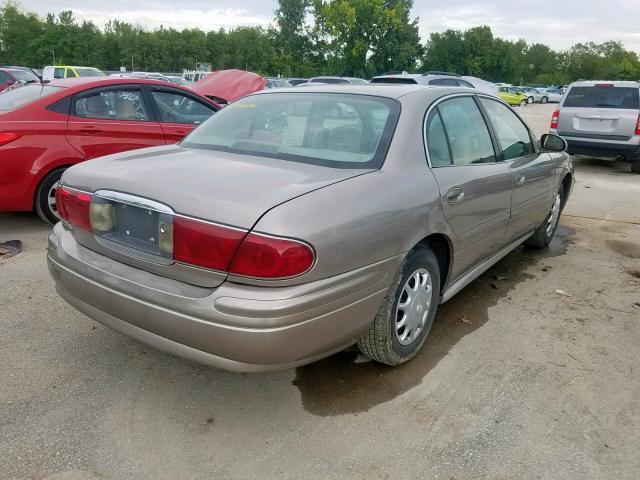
{"x": 8, "y": 137}
{"x": 555, "y": 118}
{"x": 638, "y": 126}
{"x": 204, "y": 244}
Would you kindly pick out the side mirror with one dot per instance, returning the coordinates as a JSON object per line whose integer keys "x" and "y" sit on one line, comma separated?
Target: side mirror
{"x": 553, "y": 143}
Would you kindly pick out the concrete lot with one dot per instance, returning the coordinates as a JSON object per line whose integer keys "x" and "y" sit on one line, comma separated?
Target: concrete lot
{"x": 516, "y": 380}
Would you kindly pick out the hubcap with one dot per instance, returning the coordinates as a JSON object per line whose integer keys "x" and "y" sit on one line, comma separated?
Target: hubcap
{"x": 554, "y": 215}
{"x": 51, "y": 199}
{"x": 413, "y": 307}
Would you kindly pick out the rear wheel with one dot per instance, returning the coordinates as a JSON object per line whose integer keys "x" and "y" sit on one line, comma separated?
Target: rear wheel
{"x": 530, "y": 99}
{"x": 407, "y": 312}
{"x": 45, "y": 201}
{"x": 543, "y": 235}
{"x": 544, "y": 100}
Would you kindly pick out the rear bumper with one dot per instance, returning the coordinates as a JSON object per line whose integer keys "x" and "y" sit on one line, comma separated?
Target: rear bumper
{"x": 234, "y": 327}
{"x": 600, "y": 146}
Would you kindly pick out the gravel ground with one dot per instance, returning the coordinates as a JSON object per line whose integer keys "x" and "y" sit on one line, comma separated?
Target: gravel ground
{"x": 516, "y": 380}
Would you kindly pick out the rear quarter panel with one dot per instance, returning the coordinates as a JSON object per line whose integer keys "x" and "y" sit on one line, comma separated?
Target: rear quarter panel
{"x": 24, "y": 162}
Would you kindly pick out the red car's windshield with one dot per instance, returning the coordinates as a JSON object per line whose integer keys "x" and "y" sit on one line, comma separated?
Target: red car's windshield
{"x": 17, "y": 97}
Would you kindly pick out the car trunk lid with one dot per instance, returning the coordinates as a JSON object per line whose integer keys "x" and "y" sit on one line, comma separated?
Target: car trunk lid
{"x": 149, "y": 187}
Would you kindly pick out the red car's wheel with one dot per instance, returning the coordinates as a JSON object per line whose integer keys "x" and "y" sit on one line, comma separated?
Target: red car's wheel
{"x": 45, "y": 201}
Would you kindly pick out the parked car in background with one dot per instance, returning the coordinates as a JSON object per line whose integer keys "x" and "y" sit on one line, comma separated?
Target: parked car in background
{"x": 296, "y": 223}
{"x": 437, "y": 79}
{"x": 45, "y": 128}
{"x": 177, "y": 80}
{"x": 328, "y": 80}
{"x": 68, "y": 71}
{"x": 297, "y": 81}
{"x": 11, "y": 75}
{"x": 554, "y": 95}
{"x": 148, "y": 75}
{"x": 194, "y": 76}
{"x": 429, "y": 78}
{"x": 534, "y": 95}
{"x": 601, "y": 118}
{"x": 277, "y": 83}
{"x": 226, "y": 86}
{"x": 513, "y": 96}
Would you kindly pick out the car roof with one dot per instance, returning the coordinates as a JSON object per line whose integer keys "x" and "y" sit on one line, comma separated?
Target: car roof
{"x": 615, "y": 83}
{"x": 100, "y": 81}
{"x": 378, "y": 90}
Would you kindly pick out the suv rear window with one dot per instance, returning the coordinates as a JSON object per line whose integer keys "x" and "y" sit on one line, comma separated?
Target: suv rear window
{"x": 17, "y": 97}
{"x": 603, "y": 97}
{"x": 409, "y": 81}
{"x": 334, "y": 130}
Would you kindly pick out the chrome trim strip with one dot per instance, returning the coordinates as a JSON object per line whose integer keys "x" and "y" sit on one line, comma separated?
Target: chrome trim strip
{"x": 474, "y": 273}
{"x": 134, "y": 201}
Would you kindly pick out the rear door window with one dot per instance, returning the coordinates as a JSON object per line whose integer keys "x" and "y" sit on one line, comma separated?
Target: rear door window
{"x": 467, "y": 132}
{"x": 112, "y": 105}
{"x": 58, "y": 73}
{"x": 603, "y": 97}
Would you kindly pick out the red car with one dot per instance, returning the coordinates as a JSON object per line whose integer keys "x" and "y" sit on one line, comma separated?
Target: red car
{"x": 46, "y": 128}
{"x": 11, "y": 75}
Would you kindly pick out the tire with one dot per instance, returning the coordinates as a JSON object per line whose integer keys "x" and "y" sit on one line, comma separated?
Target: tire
{"x": 382, "y": 340}
{"x": 524, "y": 103}
{"x": 544, "y": 100}
{"x": 44, "y": 202}
{"x": 530, "y": 100}
{"x": 543, "y": 235}
{"x": 635, "y": 165}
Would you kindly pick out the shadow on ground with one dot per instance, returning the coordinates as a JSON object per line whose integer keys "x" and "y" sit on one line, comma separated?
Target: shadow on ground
{"x": 338, "y": 385}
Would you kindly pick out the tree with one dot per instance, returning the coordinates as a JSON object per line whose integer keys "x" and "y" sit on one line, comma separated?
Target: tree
{"x": 355, "y": 32}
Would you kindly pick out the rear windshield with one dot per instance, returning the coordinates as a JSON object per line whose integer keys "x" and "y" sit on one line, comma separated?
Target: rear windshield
{"x": 17, "y": 97}
{"x": 89, "y": 72}
{"x": 335, "y": 130}
{"x": 603, "y": 97}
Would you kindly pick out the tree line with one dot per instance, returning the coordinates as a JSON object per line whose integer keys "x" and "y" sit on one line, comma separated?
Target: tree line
{"x": 307, "y": 37}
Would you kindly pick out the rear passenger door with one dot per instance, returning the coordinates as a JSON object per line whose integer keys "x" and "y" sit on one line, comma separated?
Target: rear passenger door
{"x": 475, "y": 185}
{"x": 178, "y": 112}
{"x": 532, "y": 171}
{"x": 112, "y": 120}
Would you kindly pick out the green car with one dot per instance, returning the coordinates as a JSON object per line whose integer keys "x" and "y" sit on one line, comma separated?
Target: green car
{"x": 513, "y": 96}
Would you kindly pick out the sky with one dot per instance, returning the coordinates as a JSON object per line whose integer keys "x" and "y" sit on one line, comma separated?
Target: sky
{"x": 557, "y": 23}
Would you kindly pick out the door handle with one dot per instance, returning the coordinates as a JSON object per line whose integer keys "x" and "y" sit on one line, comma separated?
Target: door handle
{"x": 455, "y": 195}
{"x": 519, "y": 179}
{"x": 89, "y": 131}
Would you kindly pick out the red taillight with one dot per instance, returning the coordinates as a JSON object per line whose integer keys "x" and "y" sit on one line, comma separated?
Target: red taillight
{"x": 604, "y": 85}
{"x": 207, "y": 245}
{"x": 73, "y": 207}
{"x": 638, "y": 126}
{"x": 555, "y": 118}
{"x": 270, "y": 257}
{"x": 204, "y": 244}
{"x": 8, "y": 137}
